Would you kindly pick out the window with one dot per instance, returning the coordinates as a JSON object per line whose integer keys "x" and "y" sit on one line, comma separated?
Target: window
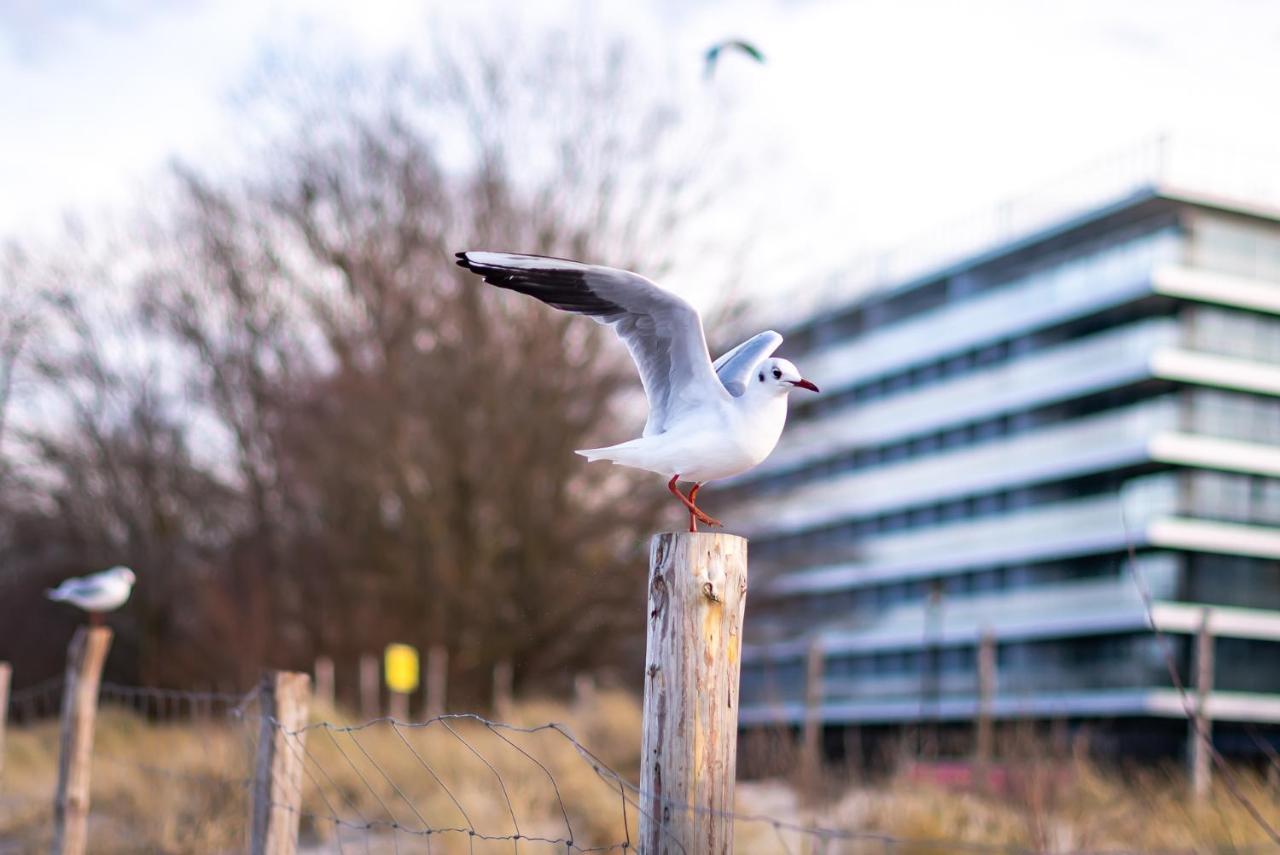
{"x": 1236, "y": 246}
{"x": 1230, "y": 332}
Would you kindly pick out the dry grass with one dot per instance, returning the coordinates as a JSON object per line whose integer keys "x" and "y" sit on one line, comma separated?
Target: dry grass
{"x": 1056, "y": 806}
{"x": 180, "y": 788}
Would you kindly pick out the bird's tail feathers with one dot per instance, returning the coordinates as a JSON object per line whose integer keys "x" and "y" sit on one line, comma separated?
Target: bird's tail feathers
{"x": 594, "y": 454}
{"x": 53, "y": 594}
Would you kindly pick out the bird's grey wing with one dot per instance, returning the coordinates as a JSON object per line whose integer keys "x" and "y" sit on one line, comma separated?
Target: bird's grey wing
{"x": 662, "y": 332}
{"x": 85, "y": 587}
{"x": 734, "y": 367}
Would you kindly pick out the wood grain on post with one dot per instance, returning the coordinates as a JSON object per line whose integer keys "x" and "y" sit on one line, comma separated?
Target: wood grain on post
{"x": 697, "y": 593}
{"x": 437, "y": 683}
{"x": 85, "y": 657}
{"x": 370, "y": 688}
{"x": 6, "y": 674}
{"x": 284, "y": 698}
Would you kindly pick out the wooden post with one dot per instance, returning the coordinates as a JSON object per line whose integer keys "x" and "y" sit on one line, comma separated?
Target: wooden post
{"x": 370, "y": 688}
{"x": 584, "y": 692}
{"x": 284, "y": 698}
{"x": 6, "y": 673}
{"x": 325, "y": 693}
{"x": 931, "y": 674}
{"x": 984, "y": 739}
{"x": 437, "y": 679}
{"x": 811, "y": 739}
{"x": 697, "y": 592}
{"x": 85, "y": 657}
{"x": 398, "y": 705}
{"x": 1201, "y": 731}
{"x": 503, "y": 677}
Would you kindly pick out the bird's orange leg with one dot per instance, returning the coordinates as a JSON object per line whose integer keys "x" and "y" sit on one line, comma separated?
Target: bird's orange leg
{"x": 695, "y": 513}
{"x": 693, "y": 496}
{"x": 96, "y": 619}
{"x": 675, "y": 491}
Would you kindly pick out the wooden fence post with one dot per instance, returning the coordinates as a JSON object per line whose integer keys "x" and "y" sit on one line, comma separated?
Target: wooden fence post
{"x": 437, "y": 682}
{"x": 985, "y": 737}
{"x": 284, "y": 698}
{"x": 6, "y": 673}
{"x": 503, "y": 678}
{"x": 931, "y": 674}
{"x": 697, "y": 593}
{"x": 584, "y": 692}
{"x": 85, "y": 657}
{"x": 325, "y": 693}
{"x": 811, "y": 736}
{"x": 1200, "y": 732}
{"x": 398, "y": 706}
{"x": 370, "y": 688}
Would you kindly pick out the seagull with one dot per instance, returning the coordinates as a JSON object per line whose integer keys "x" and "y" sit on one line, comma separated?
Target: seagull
{"x": 707, "y": 420}
{"x": 96, "y": 594}
{"x": 713, "y": 53}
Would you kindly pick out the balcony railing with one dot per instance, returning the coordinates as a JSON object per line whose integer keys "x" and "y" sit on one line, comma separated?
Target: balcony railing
{"x": 1087, "y": 365}
{"x": 1112, "y": 439}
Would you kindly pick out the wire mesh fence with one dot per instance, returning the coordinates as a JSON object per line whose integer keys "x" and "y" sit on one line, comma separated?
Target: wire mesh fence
{"x": 463, "y": 783}
{"x": 459, "y": 781}
{"x": 170, "y": 770}
{"x": 174, "y": 771}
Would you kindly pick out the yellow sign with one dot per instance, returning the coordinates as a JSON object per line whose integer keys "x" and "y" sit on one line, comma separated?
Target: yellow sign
{"x": 400, "y": 664}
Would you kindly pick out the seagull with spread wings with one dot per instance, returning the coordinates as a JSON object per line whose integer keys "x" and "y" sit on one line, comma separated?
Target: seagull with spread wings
{"x": 707, "y": 420}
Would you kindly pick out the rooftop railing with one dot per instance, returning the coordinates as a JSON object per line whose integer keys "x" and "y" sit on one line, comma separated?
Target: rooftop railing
{"x": 1175, "y": 166}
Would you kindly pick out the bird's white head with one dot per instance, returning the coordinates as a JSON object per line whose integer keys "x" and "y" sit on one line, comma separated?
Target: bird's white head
{"x": 778, "y": 377}
{"x": 124, "y": 573}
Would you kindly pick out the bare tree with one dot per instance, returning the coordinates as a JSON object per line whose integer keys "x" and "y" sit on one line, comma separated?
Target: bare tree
{"x": 19, "y": 319}
{"x": 364, "y": 444}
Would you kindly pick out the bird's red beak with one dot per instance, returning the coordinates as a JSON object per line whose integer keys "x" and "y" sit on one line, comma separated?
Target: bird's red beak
{"x": 805, "y": 384}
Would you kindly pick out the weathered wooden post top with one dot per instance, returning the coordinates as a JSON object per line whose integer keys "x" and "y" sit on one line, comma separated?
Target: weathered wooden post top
{"x": 697, "y": 594}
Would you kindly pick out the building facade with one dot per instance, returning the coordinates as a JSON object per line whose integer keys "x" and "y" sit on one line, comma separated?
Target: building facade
{"x": 993, "y": 437}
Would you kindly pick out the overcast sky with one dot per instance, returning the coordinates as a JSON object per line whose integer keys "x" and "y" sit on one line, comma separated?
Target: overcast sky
{"x": 882, "y": 117}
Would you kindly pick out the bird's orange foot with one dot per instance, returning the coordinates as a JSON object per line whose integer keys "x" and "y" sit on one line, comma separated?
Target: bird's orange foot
{"x": 707, "y": 520}
{"x": 696, "y": 515}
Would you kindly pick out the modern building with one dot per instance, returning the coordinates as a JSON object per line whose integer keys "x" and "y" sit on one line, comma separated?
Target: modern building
{"x": 1095, "y": 374}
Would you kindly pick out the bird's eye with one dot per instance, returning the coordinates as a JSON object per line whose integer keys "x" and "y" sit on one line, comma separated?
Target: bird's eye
{"x": 777, "y": 374}
{"x": 761, "y": 376}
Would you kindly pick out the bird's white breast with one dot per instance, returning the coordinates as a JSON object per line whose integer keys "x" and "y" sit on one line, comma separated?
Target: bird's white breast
{"x": 745, "y": 436}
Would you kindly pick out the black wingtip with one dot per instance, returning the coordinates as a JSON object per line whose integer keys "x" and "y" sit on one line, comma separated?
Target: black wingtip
{"x": 462, "y": 260}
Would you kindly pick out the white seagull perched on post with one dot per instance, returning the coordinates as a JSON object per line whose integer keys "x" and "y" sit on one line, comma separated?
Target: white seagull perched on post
{"x": 96, "y": 594}
{"x": 706, "y": 421}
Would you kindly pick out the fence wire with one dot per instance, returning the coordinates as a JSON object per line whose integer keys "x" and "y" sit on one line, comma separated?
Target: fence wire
{"x": 171, "y": 770}
{"x": 174, "y": 771}
{"x": 368, "y": 788}
{"x": 38, "y": 701}
{"x": 458, "y": 782}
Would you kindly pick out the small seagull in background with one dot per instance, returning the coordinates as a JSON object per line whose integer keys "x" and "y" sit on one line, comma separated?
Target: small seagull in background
{"x": 97, "y": 594}
{"x": 706, "y": 421}
{"x": 739, "y": 45}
